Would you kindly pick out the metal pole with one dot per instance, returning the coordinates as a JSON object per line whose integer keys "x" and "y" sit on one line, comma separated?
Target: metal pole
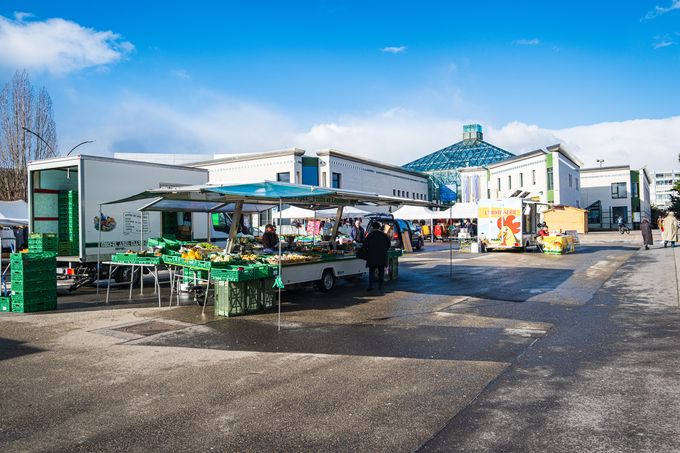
{"x": 99, "y": 247}
{"x": 280, "y": 266}
{"x": 450, "y": 247}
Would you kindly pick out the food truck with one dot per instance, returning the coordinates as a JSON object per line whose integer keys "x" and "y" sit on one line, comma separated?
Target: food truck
{"x": 508, "y": 224}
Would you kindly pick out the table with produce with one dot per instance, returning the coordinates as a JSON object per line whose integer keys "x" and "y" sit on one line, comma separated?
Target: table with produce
{"x": 245, "y": 281}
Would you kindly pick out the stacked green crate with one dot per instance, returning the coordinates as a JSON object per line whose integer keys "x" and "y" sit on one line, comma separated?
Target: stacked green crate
{"x": 5, "y": 304}
{"x": 34, "y": 282}
{"x": 43, "y": 242}
{"x": 68, "y": 223}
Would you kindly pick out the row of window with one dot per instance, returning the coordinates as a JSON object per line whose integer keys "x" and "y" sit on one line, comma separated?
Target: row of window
{"x": 407, "y": 194}
{"x": 336, "y": 179}
{"x": 573, "y": 182}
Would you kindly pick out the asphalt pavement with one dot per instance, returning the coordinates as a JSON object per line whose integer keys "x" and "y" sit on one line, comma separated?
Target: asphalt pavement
{"x": 495, "y": 352}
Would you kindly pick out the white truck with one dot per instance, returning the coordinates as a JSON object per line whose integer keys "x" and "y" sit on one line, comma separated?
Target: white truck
{"x": 92, "y": 181}
{"x": 505, "y": 224}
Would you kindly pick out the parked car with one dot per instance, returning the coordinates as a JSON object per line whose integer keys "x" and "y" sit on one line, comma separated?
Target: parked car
{"x": 398, "y": 226}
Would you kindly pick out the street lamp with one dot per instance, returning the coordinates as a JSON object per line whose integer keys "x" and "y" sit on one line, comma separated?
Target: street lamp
{"x": 599, "y": 161}
{"x": 48, "y": 145}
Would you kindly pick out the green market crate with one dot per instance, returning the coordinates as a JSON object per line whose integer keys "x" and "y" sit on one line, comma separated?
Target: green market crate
{"x": 28, "y": 276}
{"x": 262, "y": 271}
{"x": 5, "y": 304}
{"x": 34, "y": 307}
{"x": 230, "y": 298}
{"x": 253, "y": 296}
{"x": 268, "y": 297}
{"x": 33, "y": 261}
{"x": 233, "y": 274}
{"x": 25, "y": 287}
{"x": 173, "y": 260}
{"x": 190, "y": 276}
{"x": 133, "y": 258}
{"x": 43, "y": 242}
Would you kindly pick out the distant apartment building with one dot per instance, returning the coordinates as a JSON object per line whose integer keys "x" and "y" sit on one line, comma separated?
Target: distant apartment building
{"x": 612, "y": 192}
{"x": 663, "y": 186}
{"x": 550, "y": 176}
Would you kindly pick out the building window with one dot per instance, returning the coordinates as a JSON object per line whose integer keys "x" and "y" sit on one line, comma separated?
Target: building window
{"x": 550, "y": 179}
{"x": 283, "y": 177}
{"x": 570, "y": 180}
{"x": 533, "y": 177}
{"x": 323, "y": 179}
{"x": 336, "y": 181}
{"x": 394, "y": 192}
{"x": 635, "y": 190}
{"x": 576, "y": 183}
{"x": 619, "y": 190}
{"x": 499, "y": 184}
{"x": 509, "y": 181}
{"x": 521, "y": 179}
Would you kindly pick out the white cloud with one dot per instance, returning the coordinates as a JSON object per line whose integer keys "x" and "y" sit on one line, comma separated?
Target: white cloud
{"x": 181, "y": 74}
{"x": 218, "y": 125}
{"x": 662, "y": 44}
{"x": 659, "y": 10}
{"x": 399, "y": 49}
{"x": 527, "y": 42}
{"x": 57, "y": 45}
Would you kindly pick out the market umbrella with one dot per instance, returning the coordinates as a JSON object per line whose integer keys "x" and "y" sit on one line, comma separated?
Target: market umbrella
{"x": 348, "y": 211}
{"x": 294, "y": 212}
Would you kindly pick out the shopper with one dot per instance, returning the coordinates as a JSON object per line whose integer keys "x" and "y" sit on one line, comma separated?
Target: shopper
{"x": 670, "y": 230}
{"x": 270, "y": 240}
{"x": 646, "y": 230}
{"x": 357, "y": 233}
{"x": 376, "y": 244}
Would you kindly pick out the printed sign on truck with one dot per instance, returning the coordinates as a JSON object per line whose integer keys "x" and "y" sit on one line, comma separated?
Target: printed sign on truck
{"x": 500, "y": 223}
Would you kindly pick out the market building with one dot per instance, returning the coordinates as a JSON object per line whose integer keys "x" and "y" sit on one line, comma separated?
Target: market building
{"x": 663, "y": 187}
{"x": 548, "y": 176}
{"x": 612, "y": 192}
{"x": 443, "y": 166}
{"x": 328, "y": 168}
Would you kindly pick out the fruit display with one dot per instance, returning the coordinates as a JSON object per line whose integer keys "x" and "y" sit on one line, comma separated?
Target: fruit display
{"x": 292, "y": 258}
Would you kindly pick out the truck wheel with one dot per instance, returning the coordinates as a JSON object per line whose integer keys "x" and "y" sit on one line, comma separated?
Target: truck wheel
{"x": 327, "y": 281}
{"x": 123, "y": 275}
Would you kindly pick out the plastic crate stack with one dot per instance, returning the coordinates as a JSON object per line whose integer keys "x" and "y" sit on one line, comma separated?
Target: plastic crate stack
{"x": 43, "y": 242}
{"x": 243, "y": 290}
{"x": 34, "y": 282}
{"x": 68, "y": 223}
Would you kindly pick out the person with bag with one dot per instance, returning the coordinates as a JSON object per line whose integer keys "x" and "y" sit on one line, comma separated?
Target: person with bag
{"x": 375, "y": 248}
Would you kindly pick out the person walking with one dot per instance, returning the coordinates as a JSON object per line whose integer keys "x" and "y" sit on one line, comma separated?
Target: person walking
{"x": 376, "y": 245}
{"x": 670, "y": 230}
{"x": 646, "y": 230}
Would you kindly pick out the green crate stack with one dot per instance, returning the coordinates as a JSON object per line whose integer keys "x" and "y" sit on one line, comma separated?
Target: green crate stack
{"x": 43, "y": 242}
{"x": 5, "y": 304}
{"x": 68, "y": 223}
{"x": 34, "y": 282}
{"x": 191, "y": 276}
{"x": 230, "y": 298}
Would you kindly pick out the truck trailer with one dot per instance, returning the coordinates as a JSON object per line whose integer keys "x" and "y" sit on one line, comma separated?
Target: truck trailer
{"x": 507, "y": 224}
{"x": 67, "y": 196}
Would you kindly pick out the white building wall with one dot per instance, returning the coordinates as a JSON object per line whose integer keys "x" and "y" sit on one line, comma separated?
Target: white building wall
{"x": 662, "y": 187}
{"x": 527, "y": 175}
{"x": 597, "y": 185}
{"x": 566, "y": 180}
{"x": 263, "y": 168}
{"x": 368, "y": 178}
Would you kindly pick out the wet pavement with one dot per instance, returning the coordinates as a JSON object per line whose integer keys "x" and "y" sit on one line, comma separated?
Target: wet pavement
{"x": 500, "y": 352}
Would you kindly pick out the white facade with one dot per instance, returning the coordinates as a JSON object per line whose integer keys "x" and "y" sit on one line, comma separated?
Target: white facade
{"x": 283, "y": 165}
{"x": 612, "y": 192}
{"x": 342, "y": 170}
{"x": 547, "y": 176}
{"x": 663, "y": 186}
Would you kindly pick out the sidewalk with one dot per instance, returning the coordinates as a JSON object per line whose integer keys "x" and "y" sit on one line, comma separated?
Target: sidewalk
{"x": 635, "y": 237}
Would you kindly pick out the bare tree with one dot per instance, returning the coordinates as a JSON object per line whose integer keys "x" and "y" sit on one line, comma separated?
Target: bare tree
{"x": 20, "y": 108}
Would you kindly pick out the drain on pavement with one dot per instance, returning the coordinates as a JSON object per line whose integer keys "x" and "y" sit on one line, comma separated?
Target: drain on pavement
{"x": 148, "y": 328}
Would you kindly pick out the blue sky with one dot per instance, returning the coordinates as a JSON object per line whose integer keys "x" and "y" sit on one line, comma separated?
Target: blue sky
{"x": 384, "y": 79}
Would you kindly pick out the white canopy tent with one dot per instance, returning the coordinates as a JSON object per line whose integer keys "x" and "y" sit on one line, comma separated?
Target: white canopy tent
{"x": 460, "y": 211}
{"x": 349, "y": 211}
{"x": 13, "y": 213}
{"x": 408, "y": 212}
{"x": 294, "y": 212}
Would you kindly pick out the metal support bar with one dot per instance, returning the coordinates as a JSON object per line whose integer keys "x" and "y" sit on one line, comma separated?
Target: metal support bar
{"x": 336, "y": 225}
{"x": 235, "y": 221}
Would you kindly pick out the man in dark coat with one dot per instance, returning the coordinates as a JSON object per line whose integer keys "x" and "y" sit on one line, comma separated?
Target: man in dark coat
{"x": 376, "y": 244}
{"x": 646, "y": 230}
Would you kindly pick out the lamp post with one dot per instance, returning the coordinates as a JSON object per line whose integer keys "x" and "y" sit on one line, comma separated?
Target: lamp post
{"x": 48, "y": 145}
{"x": 599, "y": 161}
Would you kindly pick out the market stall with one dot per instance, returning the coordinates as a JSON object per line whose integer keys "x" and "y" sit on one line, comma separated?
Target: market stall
{"x": 322, "y": 263}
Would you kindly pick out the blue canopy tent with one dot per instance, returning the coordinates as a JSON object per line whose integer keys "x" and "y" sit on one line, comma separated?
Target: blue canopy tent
{"x": 237, "y": 198}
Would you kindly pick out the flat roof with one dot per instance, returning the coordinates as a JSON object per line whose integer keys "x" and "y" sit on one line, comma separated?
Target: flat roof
{"x": 362, "y": 160}
{"x": 247, "y": 157}
{"x": 66, "y": 160}
{"x": 609, "y": 168}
